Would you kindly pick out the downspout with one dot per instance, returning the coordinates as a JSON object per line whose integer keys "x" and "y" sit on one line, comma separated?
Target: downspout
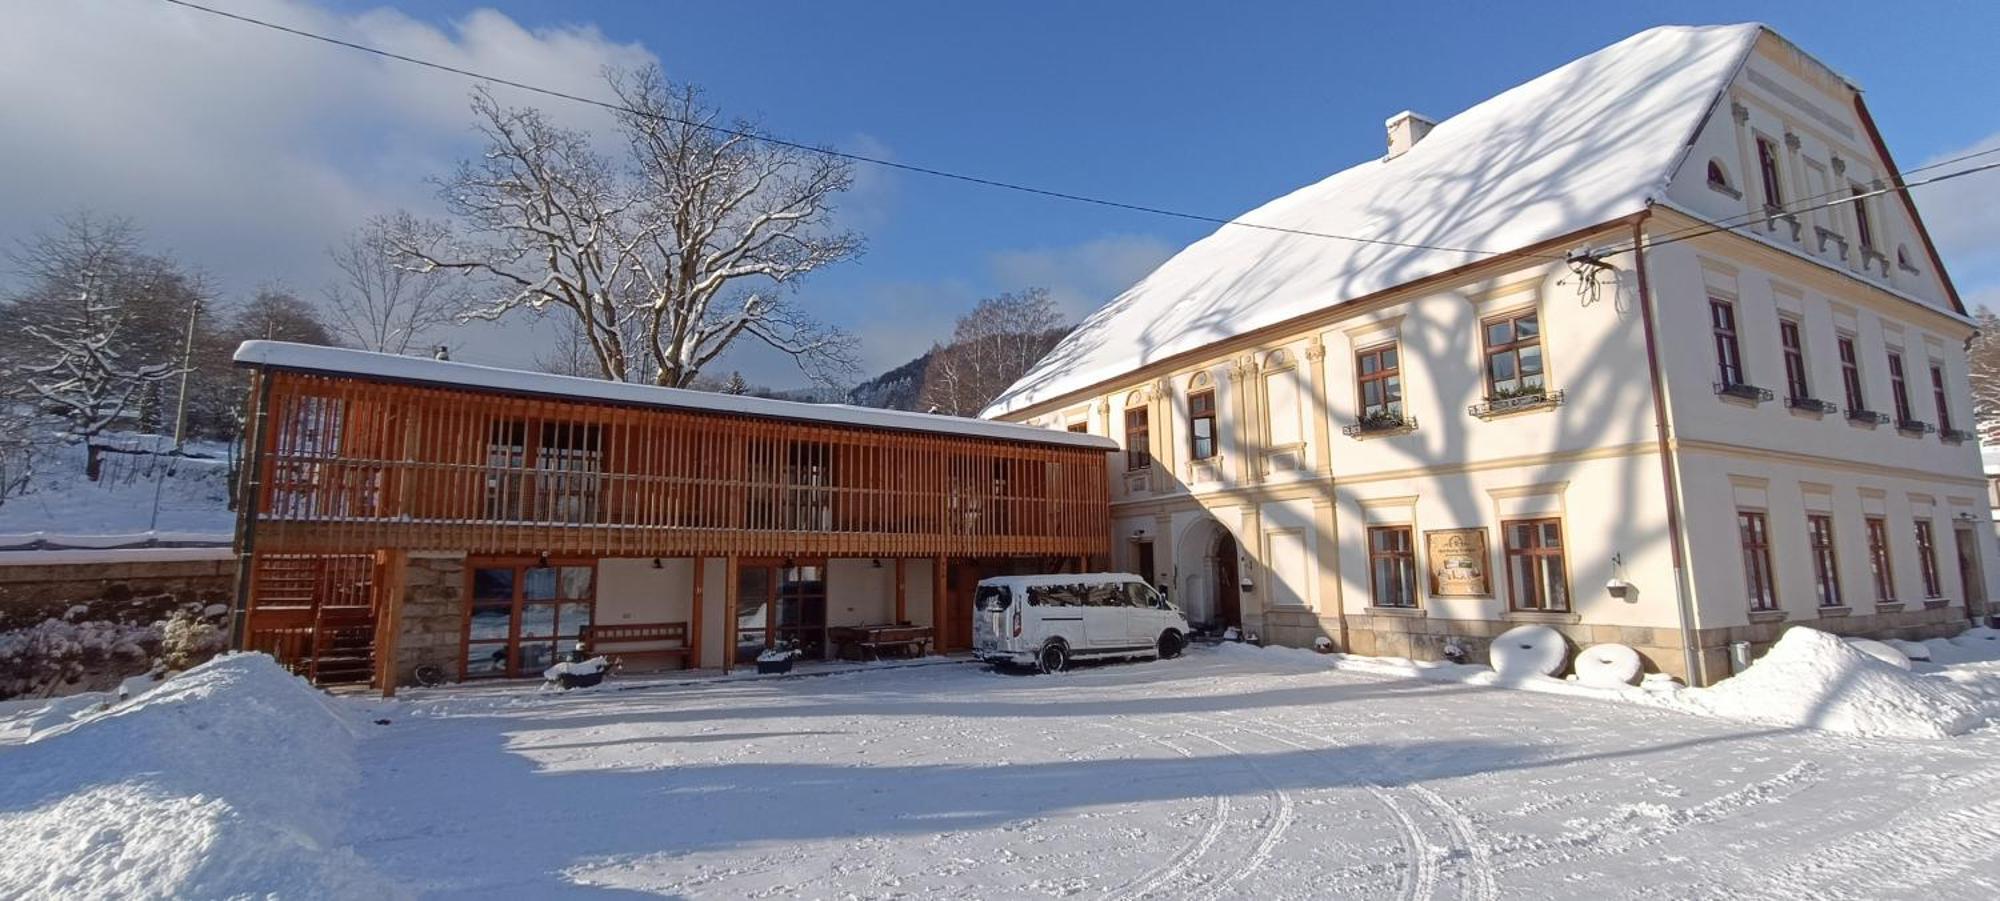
{"x": 249, "y": 501}
{"x": 1682, "y": 595}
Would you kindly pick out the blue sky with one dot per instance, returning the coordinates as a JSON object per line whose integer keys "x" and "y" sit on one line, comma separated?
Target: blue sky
{"x": 1182, "y": 105}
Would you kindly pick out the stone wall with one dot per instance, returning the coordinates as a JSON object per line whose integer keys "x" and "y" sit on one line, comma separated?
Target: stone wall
{"x": 433, "y": 624}
{"x": 132, "y": 592}
{"x": 1413, "y": 634}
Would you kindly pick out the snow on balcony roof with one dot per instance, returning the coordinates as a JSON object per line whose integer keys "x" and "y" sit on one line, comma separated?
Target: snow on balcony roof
{"x": 390, "y": 367}
{"x": 1586, "y": 144}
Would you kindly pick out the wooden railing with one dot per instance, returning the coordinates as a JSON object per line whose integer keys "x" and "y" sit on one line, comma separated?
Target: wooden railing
{"x": 355, "y": 466}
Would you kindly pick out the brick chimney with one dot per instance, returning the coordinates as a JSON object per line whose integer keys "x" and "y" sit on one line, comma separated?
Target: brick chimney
{"x": 1405, "y": 130}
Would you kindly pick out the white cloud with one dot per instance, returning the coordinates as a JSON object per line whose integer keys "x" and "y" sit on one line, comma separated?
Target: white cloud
{"x": 1085, "y": 276}
{"x": 245, "y": 151}
{"x": 1963, "y": 217}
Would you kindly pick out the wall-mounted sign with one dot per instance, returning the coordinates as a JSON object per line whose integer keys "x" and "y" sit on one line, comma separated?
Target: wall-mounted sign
{"x": 1458, "y": 563}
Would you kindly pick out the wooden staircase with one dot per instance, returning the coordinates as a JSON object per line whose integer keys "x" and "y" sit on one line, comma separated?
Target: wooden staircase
{"x": 316, "y": 615}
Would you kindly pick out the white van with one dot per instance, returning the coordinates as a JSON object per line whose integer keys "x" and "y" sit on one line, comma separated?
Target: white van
{"x": 1047, "y": 621}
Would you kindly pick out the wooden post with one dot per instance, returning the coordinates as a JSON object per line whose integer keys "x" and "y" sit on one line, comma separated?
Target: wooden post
{"x": 729, "y": 580}
{"x": 389, "y": 616}
{"x": 694, "y": 616}
{"x": 938, "y": 605}
{"x": 902, "y": 595}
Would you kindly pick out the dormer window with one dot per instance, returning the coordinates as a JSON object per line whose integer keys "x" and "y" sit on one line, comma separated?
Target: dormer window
{"x": 1718, "y": 180}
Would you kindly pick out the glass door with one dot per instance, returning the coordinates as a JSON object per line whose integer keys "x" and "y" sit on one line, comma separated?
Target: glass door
{"x": 802, "y": 609}
{"x": 777, "y": 603}
{"x": 522, "y": 618}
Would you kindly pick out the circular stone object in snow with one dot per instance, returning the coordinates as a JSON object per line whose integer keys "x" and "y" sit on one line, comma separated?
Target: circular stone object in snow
{"x": 1977, "y": 636}
{"x": 1528, "y": 651}
{"x": 1879, "y": 651}
{"x": 1608, "y": 666}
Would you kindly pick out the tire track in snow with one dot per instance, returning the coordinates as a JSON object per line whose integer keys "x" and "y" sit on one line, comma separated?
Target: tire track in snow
{"x": 1145, "y": 883}
{"x": 1418, "y": 852}
{"x": 1616, "y": 834}
{"x": 1274, "y": 831}
{"x": 1877, "y": 860}
{"x": 1479, "y": 869}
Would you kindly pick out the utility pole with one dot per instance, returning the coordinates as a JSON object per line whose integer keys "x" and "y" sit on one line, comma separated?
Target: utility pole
{"x": 187, "y": 367}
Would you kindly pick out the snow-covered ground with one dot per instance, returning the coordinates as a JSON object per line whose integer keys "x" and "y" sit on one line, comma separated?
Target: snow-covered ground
{"x": 1232, "y": 772}
{"x": 137, "y": 493}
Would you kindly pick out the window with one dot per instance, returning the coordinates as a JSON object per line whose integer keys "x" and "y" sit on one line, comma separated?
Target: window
{"x": 1728, "y": 354}
{"x": 1797, "y": 386}
{"x": 1514, "y": 356}
{"x": 1850, "y": 374}
{"x": 1864, "y": 234}
{"x": 780, "y": 604}
{"x": 1718, "y": 177}
{"x": 1392, "y": 566}
{"x": 1899, "y": 392}
{"x": 1878, "y": 560}
{"x": 1927, "y": 560}
{"x": 1080, "y": 427}
{"x": 808, "y": 487}
{"x": 522, "y": 618}
{"x": 1755, "y": 536}
{"x": 1938, "y": 398}
{"x": 556, "y": 477}
{"x": 1380, "y": 383}
{"x": 1903, "y": 259}
{"x": 1826, "y": 569}
{"x": 1138, "y": 434}
{"x": 1201, "y": 417}
{"x": 1536, "y": 579}
{"x": 1767, "y": 169}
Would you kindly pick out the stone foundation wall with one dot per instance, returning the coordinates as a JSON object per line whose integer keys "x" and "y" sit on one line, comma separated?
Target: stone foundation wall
{"x": 133, "y": 592}
{"x": 1416, "y": 635}
{"x": 433, "y": 624}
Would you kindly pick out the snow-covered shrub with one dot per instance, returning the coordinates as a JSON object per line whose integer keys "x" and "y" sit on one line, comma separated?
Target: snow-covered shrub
{"x": 188, "y": 639}
{"x": 44, "y": 657}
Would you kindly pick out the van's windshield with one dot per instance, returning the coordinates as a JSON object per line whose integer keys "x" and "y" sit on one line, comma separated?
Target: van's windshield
{"x": 994, "y": 598}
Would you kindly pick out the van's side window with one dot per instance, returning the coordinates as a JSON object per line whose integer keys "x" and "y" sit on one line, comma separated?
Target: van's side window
{"x": 1143, "y": 595}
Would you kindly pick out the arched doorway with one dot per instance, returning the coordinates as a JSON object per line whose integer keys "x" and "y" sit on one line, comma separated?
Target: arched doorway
{"x": 1205, "y": 576}
{"x": 1228, "y": 603}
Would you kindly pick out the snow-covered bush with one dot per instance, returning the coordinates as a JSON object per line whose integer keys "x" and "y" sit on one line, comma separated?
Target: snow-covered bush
{"x": 188, "y": 639}
{"x": 42, "y": 658}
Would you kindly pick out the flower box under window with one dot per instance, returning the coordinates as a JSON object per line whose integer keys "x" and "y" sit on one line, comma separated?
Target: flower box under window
{"x": 1743, "y": 391}
{"x": 1380, "y": 424}
{"x": 1810, "y": 405}
{"x": 1866, "y": 417}
{"x": 1914, "y": 427}
{"x": 1503, "y": 403}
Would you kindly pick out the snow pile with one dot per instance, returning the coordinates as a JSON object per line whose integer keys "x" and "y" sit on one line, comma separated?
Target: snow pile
{"x": 1813, "y": 679}
{"x": 228, "y": 780}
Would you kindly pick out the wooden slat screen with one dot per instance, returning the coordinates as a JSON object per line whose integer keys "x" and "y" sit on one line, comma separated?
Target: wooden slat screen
{"x": 354, "y": 466}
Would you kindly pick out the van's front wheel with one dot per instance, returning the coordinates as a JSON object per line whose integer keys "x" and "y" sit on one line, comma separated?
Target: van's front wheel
{"x": 1054, "y": 657}
{"x": 1171, "y": 644}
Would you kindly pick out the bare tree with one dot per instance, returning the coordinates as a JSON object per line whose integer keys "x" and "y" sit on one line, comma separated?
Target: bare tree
{"x": 1983, "y": 363}
{"x": 991, "y": 347}
{"x": 95, "y": 313}
{"x": 698, "y": 242}
{"x": 381, "y": 301}
{"x": 274, "y": 313}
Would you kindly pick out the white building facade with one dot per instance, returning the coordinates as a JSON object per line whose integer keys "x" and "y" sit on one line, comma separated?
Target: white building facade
{"x": 1744, "y": 406}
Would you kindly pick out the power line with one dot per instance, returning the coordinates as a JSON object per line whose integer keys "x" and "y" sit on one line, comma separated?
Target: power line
{"x": 1712, "y": 228}
{"x": 1753, "y": 216}
{"x": 828, "y": 151}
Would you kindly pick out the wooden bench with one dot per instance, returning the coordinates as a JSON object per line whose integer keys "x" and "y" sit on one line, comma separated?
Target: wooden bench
{"x": 605, "y": 639}
{"x": 868, "y": 642}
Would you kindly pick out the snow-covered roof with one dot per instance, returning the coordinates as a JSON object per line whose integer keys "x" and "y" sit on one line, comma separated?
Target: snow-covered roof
{"x": 390, "y": 367}
{"x": 1586, "y": 144}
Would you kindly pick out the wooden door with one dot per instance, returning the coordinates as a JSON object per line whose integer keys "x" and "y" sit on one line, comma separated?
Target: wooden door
{"x": 961, "y": 585}
{"x": 1228, "y": 603}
